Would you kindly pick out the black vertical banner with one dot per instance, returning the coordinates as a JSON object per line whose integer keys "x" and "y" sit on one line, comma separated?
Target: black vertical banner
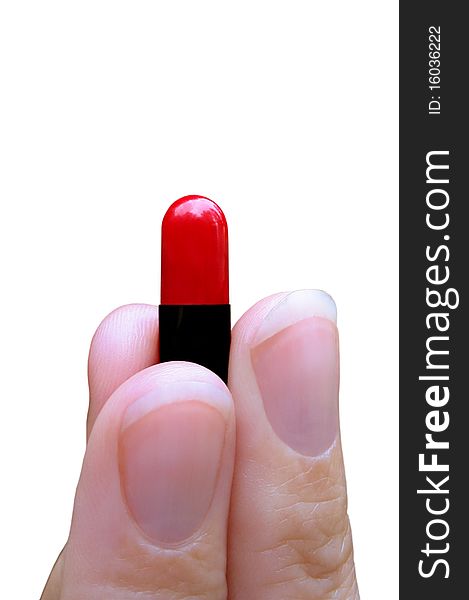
{"x": 434, "y": 268}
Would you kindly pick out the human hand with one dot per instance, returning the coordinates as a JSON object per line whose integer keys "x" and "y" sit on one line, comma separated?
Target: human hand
{"x": 167, "y": 507}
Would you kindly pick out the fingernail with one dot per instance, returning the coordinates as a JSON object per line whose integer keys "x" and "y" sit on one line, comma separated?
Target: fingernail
{"x": 295, "y": 360}
{"x": 169, "y": 461}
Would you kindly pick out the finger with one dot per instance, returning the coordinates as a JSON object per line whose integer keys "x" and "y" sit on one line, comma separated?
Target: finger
{"x": 289, "y": 531}
{"x": 151, "y": 507}
{"x": 53, "y": 585}
{"x": 125, "y": 343}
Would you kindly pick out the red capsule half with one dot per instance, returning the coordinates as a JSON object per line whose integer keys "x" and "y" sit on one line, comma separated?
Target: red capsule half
{"x": 194, "y": 253}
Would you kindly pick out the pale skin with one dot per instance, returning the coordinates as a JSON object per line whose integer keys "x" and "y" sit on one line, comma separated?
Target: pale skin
{"x": 270, "y": 522}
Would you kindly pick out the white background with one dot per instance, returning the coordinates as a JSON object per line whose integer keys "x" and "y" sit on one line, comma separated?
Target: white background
{"x": 285, "y": 113}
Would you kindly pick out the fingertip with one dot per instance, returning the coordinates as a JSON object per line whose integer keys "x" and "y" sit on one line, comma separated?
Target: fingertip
{"x": 125, "y": 342}
{"x": 277, "y": 311}
{"x": 245, "y": 328}
{"x": 173, "y": 382}
{"x": 294, "y": 307}
{"x": 127, "y": 314}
